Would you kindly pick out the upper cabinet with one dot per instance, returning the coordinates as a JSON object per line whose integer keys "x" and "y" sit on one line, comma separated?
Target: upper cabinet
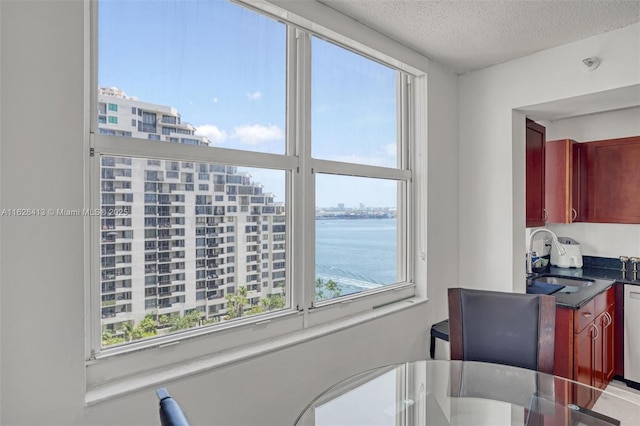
{"x": 613, "y": 180}
{"x": 565, "y": 181}
{"x": 535, "y": 185}
{"x": 592, "y": 181}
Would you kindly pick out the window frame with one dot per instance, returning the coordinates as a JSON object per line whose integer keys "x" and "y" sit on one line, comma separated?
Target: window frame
{"x": 297, "y": 162}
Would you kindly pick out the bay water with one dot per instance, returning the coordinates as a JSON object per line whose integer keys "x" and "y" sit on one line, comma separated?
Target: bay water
{"x": 358, "y": 254}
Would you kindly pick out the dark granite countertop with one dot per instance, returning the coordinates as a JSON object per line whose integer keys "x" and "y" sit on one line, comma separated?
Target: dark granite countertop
{"x": 603, "y": 279}
{"x": 608, "y": 268}
{"x": 597, "y": 273}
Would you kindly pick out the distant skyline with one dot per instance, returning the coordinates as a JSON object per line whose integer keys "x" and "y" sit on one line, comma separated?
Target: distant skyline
{"x": 223, "y": 68}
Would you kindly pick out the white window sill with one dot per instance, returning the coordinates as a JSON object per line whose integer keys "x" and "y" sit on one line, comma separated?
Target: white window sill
{"x": 151, "y": 380}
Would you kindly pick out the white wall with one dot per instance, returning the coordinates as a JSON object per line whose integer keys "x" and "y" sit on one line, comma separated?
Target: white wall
{"x": 600, "y": 239}
{"x": 42, "y": 317}
{"x": 42, "y": 307}
{"x": 492, "y": 156}
{"x": 620, "y": 123}
{"x": 443, "y": 206}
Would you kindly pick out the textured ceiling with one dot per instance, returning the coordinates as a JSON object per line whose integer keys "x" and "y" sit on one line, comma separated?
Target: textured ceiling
{"x": 470, "y": 35}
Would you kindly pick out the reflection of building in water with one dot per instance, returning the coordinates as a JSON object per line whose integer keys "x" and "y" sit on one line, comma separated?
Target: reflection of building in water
{"x": 192, "y": 233}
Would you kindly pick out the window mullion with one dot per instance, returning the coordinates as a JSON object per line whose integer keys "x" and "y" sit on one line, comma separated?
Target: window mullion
{"x": 92, "y": 197}
{"x": 405, "y": 195}
{"x": 141, "y": 148}
{"x": 418, "y": 162}
{"x": 94, "y": 322}
{"x": 361, "y": 170}
{"x": 303, "y": 215}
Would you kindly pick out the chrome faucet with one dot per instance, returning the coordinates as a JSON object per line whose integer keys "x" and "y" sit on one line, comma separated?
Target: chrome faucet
{"x": 635, "y": 261}
{"x": 554, "y": 239}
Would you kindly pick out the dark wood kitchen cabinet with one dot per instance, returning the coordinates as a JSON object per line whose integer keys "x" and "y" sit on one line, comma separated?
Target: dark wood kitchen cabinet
{"x": 535, "y": 174}
{"x": 585, "y": 358}
{"x": 607, "y": 367}
{"x": 585, "y": 345}
{"x": 613, "y": 177}
{"x": 565, "y": 181}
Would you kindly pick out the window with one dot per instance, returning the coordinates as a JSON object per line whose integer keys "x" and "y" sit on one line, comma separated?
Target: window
{"x": 113, "y": 107}
{"x": 113, "y": 120}
{"x": 169, "y": 119}
{"x": 234, "y": 239}
{"x": 148, "y": 123}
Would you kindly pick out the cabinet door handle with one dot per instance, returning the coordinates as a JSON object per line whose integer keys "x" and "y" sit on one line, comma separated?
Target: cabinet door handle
{"x": 575, "y": 214}
{"x": 609, "y": 318}
{"x": 597, "y": 332}
{"x": 546, "y": 215}
{"x": 587, "y": 314}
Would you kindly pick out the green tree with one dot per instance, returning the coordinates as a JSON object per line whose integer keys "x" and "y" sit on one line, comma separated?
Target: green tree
{"x": 236, "y": 303}
{"x": 204, "y": 321}
{"x": 164, "y": 320}
{"x": 273, "y": 302}
{"x": 331, "y": 287}
{"x": 189, "y": 320}
{"x": 145, "y": 328}
{"x": 255, "y": 309}
{"x": 109, "y": 339}
{"x": 127, "y": 327}
{"x": 148, "y": 325}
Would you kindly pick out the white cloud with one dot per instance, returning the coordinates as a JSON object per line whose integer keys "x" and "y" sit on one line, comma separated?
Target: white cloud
{"x": 257, "y": 133}
{"x": 214, "y": 100}
{"x": 212, "y": 132}
{"x": 391, "y": 149}
{"x": 254, "y": 96}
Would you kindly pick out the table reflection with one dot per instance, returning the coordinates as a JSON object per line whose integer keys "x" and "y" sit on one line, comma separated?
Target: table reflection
{"x": 459, "y": 393}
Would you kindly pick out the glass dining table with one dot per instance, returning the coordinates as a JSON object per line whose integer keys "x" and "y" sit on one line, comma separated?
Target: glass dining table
{"x": 435, "y": 392}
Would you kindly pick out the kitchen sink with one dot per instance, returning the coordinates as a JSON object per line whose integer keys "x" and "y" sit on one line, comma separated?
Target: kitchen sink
{"x": 550, "y": 284}
{"x": 566, "y": 281}
{"x": 565, "y": 284}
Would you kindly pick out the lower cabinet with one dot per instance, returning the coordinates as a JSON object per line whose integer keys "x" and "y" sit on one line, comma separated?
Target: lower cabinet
{"x": 608, "y": 346}
{"x": 585, "y": 345}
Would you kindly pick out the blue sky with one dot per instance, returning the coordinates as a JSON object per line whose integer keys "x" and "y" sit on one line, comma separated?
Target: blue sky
{"x": 223, "y": 68}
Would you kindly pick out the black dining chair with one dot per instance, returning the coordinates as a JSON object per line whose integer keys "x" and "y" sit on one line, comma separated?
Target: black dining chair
{"x": 170, "y": 412}
{"x": 504, "y": 328}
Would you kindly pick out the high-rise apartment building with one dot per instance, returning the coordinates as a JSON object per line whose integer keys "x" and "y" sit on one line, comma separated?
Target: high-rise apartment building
{"x": 178, "y": 237}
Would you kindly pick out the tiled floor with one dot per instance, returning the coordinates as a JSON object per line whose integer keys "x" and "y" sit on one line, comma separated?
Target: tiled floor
{"x": 628, "y": 415}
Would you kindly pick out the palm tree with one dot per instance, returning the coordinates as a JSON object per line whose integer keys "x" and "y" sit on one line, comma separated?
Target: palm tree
{"x": 331, "y": 286}
{"x": 236, "y": 302}
{"x": 127, "y": 327}
{"x": 273, "y": 301}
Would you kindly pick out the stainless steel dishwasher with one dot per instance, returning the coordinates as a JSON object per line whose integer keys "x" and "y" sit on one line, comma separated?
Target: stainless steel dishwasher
{"x": 632, "y": 333}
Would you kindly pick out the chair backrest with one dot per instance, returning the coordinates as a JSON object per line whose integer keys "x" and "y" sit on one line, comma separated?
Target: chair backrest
{"x": 504, "y": 328}
{"x": 170, "y": 412}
